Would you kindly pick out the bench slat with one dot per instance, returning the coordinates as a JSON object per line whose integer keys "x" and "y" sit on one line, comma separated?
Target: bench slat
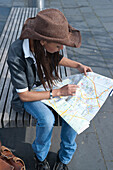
{"x": 12, "y": 119}
{"x": 26, "y": 119}
{"x": 23, "y": 18}
{"x": 5, "y": 30}
{"x": 19, "y": 119}
{"x": 6, "y": 117}
{"x": 4, "y": 97}
{"x": 4, "y": 48}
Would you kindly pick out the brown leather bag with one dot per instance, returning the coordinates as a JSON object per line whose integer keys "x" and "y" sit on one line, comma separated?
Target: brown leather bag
{"x": 8, "y": 161}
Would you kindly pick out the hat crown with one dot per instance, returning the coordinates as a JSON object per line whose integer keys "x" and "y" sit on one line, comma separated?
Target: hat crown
{"x": 51, "y": 23}
{"x": 53, "y": 14}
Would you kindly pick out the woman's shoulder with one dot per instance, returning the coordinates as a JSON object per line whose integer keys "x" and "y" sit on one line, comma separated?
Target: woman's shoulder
{"x": 17, "y": 44}
{"x": 16, "y": 50}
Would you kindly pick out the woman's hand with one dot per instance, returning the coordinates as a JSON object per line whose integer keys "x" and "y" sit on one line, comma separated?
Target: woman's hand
{"x": 67, "y": 90}
{"x": 84, "y": 69}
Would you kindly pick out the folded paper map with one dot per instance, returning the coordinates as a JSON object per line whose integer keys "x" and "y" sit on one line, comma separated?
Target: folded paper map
{"x": 80, "y": 109}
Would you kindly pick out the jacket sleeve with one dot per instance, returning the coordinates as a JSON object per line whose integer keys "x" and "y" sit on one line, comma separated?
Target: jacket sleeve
{"x": 60, "y": 58}
{"x": 17, "y": 69}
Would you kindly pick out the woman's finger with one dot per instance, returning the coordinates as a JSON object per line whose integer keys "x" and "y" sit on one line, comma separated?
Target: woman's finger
{"x": 85, "y": 71}
{"x": 89, "y": 69}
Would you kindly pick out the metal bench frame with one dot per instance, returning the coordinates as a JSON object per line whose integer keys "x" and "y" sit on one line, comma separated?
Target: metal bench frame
{"x": 11, "y": 31}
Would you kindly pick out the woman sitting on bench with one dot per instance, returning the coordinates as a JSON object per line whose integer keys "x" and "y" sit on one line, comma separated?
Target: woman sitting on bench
{"x": 33, "y": 60}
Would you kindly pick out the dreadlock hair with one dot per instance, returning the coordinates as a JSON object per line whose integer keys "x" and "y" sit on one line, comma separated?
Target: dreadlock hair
{"x": 46, "y": 63}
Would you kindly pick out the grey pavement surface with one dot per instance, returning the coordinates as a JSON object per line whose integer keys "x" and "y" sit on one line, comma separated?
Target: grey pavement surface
{"x": 95, "y": 145}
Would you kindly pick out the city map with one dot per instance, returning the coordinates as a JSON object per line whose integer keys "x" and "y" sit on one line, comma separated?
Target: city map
{"x": 80, "y": 109}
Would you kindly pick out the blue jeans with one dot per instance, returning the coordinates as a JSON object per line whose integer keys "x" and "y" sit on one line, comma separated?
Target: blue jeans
{"x": 45, "y": 122}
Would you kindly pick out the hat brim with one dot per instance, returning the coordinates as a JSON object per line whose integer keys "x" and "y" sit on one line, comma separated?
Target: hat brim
{"x": 73, "y": 39}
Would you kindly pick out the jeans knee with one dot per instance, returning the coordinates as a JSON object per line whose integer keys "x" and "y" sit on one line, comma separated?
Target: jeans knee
{"x": 47, "y": 121}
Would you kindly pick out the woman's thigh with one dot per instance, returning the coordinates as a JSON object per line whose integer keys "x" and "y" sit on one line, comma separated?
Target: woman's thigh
{"x": 40, "y": 112}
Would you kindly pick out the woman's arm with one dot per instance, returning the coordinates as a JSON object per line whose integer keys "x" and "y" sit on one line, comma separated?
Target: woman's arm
{"x": 73, "y": 64}
{"x": 67, "y": 90}
{"x": 68, "y": 63}
{"x": 34, "y": 95}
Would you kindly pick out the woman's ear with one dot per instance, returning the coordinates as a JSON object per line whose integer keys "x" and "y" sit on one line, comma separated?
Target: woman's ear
{"x": 42, "y": 42}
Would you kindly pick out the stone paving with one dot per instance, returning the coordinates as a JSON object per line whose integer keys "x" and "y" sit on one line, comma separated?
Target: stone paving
{"x": 95, "y": 21}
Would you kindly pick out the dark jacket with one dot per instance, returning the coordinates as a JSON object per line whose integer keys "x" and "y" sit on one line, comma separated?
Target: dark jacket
{"x": 23, "y": 72}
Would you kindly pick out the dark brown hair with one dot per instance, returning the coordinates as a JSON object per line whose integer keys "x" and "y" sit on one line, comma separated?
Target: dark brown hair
{"x": 46, "y": 63}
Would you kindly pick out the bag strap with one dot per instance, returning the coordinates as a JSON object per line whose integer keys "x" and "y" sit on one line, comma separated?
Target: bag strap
{"x": 17, "y": 160}
{"x": 3, "y": 148}
{"x": 5, "y": 152}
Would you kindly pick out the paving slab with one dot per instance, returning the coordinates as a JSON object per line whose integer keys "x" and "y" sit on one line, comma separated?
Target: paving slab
{"x": 88, "y": 155}
{"x": 102, "y": 6}
{"x": 104, "y": 12}
{"x": 103, "y": 124}
{"x": 106, "y": 19}
{"x": 67, "y": 3}
{"x": 103, "y": 71}
{"x": 109, "y": 165}
{"x": 99, "y": 3}
{"x": 6, "y": 3}
{"x": 4, "y": 12}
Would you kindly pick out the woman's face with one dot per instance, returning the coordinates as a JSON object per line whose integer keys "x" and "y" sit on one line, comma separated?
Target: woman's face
{"x": 52, "y": 47}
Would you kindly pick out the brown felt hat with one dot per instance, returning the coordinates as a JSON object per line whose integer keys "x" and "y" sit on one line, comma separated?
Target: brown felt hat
{"x": 51, "y": 25}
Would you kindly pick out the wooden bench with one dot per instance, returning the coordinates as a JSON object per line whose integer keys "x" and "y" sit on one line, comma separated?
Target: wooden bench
{"x": 11, "y": 31}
